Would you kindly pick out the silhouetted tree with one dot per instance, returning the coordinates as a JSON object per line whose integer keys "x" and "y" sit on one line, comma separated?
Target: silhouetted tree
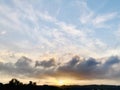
{"x": 1, "y": 84}
{"x": 32, "y": 83}
{"x": 14, "y": 82}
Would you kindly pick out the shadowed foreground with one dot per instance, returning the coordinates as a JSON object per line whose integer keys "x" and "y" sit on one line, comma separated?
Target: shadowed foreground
{"x": 14, "y": 84}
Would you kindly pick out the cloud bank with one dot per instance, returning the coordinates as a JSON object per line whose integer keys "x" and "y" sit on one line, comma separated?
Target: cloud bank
{"x": 77, "y": 68}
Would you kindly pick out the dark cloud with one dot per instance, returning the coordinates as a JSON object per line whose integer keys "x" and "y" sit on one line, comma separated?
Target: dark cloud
{"x": 46, "y": 64}
{"x": 6, "y": 67}
{"x": 23, "y": 62}
{"x": 74, "y": 61}
{"x": 22, "y": 67}
{"x": 79, "y": 68}
{"x": 69, "y": 66}
{"x": 112, "y": 60}
{"x": 89, "y": 68}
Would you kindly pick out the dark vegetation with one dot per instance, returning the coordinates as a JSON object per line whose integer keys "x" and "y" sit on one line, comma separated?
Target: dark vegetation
{"x": 14, "y": 84}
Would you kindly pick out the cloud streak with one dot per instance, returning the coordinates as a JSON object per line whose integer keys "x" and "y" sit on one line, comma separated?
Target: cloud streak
{"x": 39, "y": 28}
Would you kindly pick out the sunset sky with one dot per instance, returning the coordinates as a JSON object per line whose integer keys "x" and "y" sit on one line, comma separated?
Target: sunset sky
{"x": 60, "y": 41}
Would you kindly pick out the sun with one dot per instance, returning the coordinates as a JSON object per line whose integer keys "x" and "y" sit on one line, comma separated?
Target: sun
{"x": 61, "y": 82}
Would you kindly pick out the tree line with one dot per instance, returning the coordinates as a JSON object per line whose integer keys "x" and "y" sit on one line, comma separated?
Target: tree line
{"x": 15, "y": 84}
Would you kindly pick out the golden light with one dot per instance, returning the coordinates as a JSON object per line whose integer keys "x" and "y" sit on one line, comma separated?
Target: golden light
{"x": 58, "y": 81}
{"x": 61, "y": 82}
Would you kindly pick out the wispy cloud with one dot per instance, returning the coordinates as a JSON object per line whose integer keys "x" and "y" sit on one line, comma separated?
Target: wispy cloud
{"x": 3, "y": 32}
{"x": 28, "y": 22}
{"x": 102, "y": 19}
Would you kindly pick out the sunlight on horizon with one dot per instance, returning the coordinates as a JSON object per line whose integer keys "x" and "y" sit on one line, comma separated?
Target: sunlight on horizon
{"x": 61, "y": 82}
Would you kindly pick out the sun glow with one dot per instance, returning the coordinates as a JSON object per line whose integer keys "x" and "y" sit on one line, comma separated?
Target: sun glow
{"x": 61, "y": 82}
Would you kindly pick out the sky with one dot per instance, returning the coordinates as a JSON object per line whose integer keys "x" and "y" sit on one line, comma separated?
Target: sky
{"x": 60, "y": 42}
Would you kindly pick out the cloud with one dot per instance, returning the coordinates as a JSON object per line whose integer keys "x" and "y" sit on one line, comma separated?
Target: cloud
{"x": 86, "y": 14}
{"x": 23, "y": 62}
{"x": 6, "y": 67}
{"x": 77, "y": 68}
{"x": 22, "y": 67}
{"x": 80, "y": 68}
{"x": 90, "y": 68}
{"x": 3, "y": 32}
{"x": 38, "y": 28}
{"x": 112, "y": 60}
{"x": 89, "y": 17}
{"x": 102, "y": 19}
{"x": 45, "y": 64}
